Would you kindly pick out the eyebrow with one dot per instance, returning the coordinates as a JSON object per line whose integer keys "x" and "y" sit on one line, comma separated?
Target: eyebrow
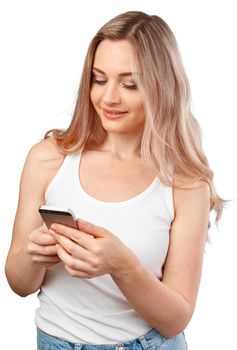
{"x": 125, "y": 74}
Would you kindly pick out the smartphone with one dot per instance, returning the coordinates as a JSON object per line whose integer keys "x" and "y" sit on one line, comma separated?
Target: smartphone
{"x": 63, "y": 216}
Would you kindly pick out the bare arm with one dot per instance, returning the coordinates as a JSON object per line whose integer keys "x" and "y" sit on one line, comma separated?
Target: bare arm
{"x": 32, "y": 248}
{"x": 168, "y": 305}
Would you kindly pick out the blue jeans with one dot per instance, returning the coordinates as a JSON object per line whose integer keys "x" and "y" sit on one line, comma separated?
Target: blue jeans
{"x": 153, "y": 340}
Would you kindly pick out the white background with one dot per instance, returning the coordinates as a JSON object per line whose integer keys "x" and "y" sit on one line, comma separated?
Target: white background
{"x": 43, "y": 44}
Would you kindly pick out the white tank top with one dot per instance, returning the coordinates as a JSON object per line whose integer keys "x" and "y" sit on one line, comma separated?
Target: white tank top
{"x": 95, "y": 310}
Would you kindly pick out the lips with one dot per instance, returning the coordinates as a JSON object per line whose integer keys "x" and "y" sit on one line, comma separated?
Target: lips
{"x": 113, "y": 113}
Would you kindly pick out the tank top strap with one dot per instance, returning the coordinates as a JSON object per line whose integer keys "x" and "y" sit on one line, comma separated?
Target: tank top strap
{"x": 68, "y": 168}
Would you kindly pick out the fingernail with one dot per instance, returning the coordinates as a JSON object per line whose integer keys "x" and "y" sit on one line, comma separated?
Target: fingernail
{"x": 53, "y": 226}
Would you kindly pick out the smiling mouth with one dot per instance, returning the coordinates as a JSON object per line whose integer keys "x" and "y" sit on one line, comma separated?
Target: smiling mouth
{"x": 113, "y": 114}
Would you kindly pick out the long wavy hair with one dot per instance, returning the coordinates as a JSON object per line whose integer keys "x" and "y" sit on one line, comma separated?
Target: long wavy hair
{"x": 171, "y": 140}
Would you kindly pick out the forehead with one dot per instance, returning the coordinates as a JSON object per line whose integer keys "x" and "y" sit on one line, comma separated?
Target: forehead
{"x": 114, "y": 56}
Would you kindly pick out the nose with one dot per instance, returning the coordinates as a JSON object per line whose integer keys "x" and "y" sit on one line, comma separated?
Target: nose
{"x": 111, "y": 94}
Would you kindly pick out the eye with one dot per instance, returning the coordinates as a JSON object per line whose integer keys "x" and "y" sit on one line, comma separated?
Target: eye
{"x": 130, "y": 86}
{"x": 98, "y": 81}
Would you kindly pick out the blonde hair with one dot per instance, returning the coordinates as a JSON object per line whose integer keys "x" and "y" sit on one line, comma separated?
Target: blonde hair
{"x": 171, "y": 139}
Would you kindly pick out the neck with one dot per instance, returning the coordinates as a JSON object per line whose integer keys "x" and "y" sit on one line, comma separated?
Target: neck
{"x": 123, "y": 146}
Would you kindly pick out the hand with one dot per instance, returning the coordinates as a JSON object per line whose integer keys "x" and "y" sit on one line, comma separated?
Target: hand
{"x": 42, "y": 247}
{"x": 90, "y": 251}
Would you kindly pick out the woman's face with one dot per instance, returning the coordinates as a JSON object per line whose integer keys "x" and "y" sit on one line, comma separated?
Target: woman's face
{"x": 114, "y": 93}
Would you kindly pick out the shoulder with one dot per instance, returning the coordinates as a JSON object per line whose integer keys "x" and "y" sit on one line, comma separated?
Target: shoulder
{"x": 45, "y": 150}
{"x": 43, "y": 161}
{"x": 187, "y": 191}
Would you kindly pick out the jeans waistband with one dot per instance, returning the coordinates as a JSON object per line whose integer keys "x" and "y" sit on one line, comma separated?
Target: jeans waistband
{"x": 151, "y": 340}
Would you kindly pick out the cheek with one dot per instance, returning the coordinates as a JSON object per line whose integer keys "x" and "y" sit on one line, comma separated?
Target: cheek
{"x": 94, "y": 96}
{"x": 141, "y": 117}
{"x": 139, "y": 110}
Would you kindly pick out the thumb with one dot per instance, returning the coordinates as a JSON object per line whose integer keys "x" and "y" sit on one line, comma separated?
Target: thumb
{"x": 91, "y": 229}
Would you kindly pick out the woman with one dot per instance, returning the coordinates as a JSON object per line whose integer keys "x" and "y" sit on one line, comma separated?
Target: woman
{"x": 131, "y": 167}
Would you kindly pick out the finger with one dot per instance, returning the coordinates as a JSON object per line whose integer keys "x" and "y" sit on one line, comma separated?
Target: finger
{"x": 76, "y": 273}
{"x": 41, "y": 250}
{"x": 71, "y": 262}
{"x": 91, "y": 229}
{"x": 48, "y": 259}
{"x": 43, "y": 228}
{"x": 65, "y": 231}
{"x": 81, "y": 238}
{"x": 46, "y": 239}
{"x": 72, "y": 247}
{"x": 42, "y": 238}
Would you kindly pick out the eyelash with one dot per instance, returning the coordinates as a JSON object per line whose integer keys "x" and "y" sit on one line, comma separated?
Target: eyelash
{"x": 102, "y": 82}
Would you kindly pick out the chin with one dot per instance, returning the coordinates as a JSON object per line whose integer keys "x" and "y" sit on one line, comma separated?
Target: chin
{"x": 115, "y": 128}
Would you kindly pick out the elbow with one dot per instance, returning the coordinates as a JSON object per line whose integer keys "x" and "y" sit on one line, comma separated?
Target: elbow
{"x": 20, "y": 291}
{"x": 17, "y": 288}
{"x": 175, "y": 324}
{"x": 21, "y": 294}
{"x": 171, "y": 331}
